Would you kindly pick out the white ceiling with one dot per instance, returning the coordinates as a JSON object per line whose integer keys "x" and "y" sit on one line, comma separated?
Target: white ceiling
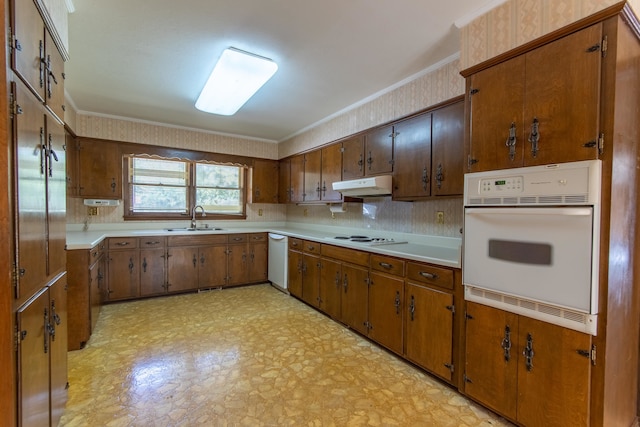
{"x": 148, "y": 59}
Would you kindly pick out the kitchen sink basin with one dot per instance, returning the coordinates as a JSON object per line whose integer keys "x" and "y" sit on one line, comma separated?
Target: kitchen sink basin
{"x": 195, "y": 229}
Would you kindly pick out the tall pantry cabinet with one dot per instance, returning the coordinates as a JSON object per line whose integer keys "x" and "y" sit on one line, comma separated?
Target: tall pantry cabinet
{"x": 37, "y": 185}
{"x": 571, "y": 95}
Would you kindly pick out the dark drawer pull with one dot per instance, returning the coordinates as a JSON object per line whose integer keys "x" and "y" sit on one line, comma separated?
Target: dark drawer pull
{"x": 311, "y": 248}
{"x": 385, "y": 265}
{"x": 152, "y": 243}
{"x": 122, "y": 243}
{"x": 237, "y": 239}
{"x": 431, "y": 276}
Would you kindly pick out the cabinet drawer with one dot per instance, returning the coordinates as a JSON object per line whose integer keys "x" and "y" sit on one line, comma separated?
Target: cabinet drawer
{"x": 311, "y": 247}
{"x": 152, "y": 242}
{"x": 426, "y": 273}
{"x": 295, "y": 244}
{"x": 344, "y": 254}
{"x": 257, "y": 237}
{"x": 198, "y": 240}
{"x": 123, "y": 243}
{"x": 95, "y": 253}
{"x": 387, "y": 264}
{"x": 237, "y": 238}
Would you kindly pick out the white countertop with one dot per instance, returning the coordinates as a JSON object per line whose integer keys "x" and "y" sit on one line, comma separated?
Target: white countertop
{"x": 445, "y": 251}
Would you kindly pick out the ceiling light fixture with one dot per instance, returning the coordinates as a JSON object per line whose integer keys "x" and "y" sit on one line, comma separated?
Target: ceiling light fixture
{"x": 235, "y": 78}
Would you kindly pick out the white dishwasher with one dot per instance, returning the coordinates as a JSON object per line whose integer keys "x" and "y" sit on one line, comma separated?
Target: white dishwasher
{"x": 278, "y": 257}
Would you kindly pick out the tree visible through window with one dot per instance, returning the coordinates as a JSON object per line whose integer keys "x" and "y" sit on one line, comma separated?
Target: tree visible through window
{"x": 161, "y": 187}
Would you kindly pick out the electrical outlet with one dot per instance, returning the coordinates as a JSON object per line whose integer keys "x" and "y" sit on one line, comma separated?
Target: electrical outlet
{"x": 440, "y": 217}
{"x": 92, "y": 210}
{"x": 259, "y": 212}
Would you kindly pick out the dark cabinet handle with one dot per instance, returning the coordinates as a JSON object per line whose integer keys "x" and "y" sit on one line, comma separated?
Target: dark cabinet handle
{"x": 528, "y": 353}
{"x": 412, "y": 307}
{"x": 506, "y": 343}
{"x": 122, "y": 243}
{"x": 534, "y": 137}
{"x": 385, "y": 265}
{"x": 397, "y": 302}
{"x": 144, "y": 265}
{"x": 425, "y": 178}
{"x": 511, "y": 141}
{"x": 113, "y": 185}
{"x": 155, "y": 242}
{"x": 439, "y": 176}
{"x": 195, "y": 261}
{"x": 431, "y": 276}
{"x": 131, "y": 265}
{"x": 345, "y": 283}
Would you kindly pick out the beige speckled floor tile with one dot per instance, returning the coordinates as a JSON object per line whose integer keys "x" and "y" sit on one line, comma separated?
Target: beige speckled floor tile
{"x": 249, "y": 356}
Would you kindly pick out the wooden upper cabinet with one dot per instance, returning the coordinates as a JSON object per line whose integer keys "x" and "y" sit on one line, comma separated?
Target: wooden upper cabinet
{"x": 378, "y": 151}
{"x": 353, "y": 157}
{"x": 530, "y": 111}
{"x": 27, "y": 53}
{"x": 412, "y": 156}
{"x": 99, "y": 169}
{"x": 312, "y": 173}
{"x": 56, "y": 202}
{"x": 447, "y": 150}
{"x": 73, "y": 179}
{"x": 564, "y": 99}
{"x": 284, "y": 181}
{"x": 331, "y": 172}
{"x": 297, "y": 178}
{"x": 54, "y": 78}
{"x": 265, "y": 181}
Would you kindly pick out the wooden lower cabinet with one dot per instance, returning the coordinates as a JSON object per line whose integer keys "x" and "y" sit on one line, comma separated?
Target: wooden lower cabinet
{"x": 157, "y": 265}
{"x": 532, "y": 372}
{"x": 429, "y": 329}
{"x": 311, "y": 279}
{"x": 386, "y": 299}
{"x": 42, "y": 356}
{"x": 330, "y": 288}
{"x": 86, "y": 272}
{"x": 294, "y": 272}
{"x": 355, "y": 296}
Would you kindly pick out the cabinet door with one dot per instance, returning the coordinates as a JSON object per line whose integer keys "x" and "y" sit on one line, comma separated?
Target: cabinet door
{"x": 30, "y": 193}
{"x": 71, "y": 150}
{"x": 447, "y": 150}
{"x": 295, "y": 273}
{"x": 378, "y": 151}
{"x": 564, "y": 99}
{"x": 311, "y": 279}
{"x": 353, "y": 157}
{"x": 215, "y": 267}
{"x": 355, "y": 295}
{"x": 553, "y": 385}
{"x": 28, "y": 45}
{"x": 412, "y": 156}
{"x": 284, "y": 181}
{"x": 264, "y": 186}
{"x": 124, "y": 275}
{"x": 33, "y": 360}
{"x": 330, "y": 287}
{"x": 258, "y": 261}
{"x": 56, "y": 202}
{"x": 496, "y": 116}
{"x": 297, "y": 178}
{"x": 54, "y": 77}
{"x": 429, "y": 329}
{"x": 59, "y": 347}
{"x": 182, "y": 268}
{"x": 100, "y": 169}
{"x": 238, "y": 265}
{"x": 491, "y": 358}
{"x": 312, "y": 168}
{"x": 96, "y": 285}
{"x": 386, "y": 294}
{"x": 152, "y": 271}
{"x": 331, "y": 172}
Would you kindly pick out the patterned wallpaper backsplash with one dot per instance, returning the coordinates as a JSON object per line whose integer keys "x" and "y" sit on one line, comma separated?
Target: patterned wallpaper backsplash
{"x": 517, "y": 22}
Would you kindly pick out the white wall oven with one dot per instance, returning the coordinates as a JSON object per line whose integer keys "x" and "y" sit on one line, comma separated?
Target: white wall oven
{"x": 531, "y": 241}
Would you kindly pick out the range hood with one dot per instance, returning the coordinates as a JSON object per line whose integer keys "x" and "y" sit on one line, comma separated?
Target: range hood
{"x": 363, "y": 187}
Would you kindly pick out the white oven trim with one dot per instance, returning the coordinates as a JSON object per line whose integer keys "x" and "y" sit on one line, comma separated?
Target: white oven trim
{"x": 576, "y": 320}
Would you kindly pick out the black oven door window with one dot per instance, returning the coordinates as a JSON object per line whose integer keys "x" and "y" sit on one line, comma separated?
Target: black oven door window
{"x": 521, "y": 252}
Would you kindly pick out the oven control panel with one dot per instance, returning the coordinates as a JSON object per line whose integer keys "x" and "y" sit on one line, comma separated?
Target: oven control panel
{"x": 511, "y": 185}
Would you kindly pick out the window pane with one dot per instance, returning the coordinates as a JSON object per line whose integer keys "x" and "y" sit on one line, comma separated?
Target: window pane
{"x": 158, "y": 172}
{"x": 217, "y": 176}
{"x": 215, "y": 200}
{"x": 147, "y": 198}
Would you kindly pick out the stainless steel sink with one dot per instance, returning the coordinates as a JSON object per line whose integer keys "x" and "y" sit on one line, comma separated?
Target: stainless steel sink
{"x": 195, "y": 229}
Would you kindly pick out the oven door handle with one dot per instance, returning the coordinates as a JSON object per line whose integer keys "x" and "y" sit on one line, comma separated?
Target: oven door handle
{"x": 567, "y": 211}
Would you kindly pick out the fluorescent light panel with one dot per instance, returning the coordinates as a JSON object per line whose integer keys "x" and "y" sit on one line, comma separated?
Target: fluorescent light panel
{"x": 235, "y": 78}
